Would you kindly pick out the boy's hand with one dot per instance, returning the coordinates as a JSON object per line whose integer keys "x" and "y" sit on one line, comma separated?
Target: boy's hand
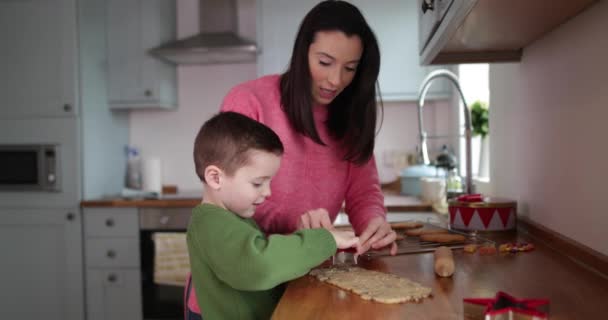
{"x": 317, "y": 218}
{"x": 345, "y": 239}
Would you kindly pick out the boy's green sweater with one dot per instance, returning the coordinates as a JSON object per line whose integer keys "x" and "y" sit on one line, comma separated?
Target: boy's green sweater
{"x": 237, "y": 270}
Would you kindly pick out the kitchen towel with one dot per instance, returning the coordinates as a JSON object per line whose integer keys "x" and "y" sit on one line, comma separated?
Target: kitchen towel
{"x": 151, "y": 175}
{"x": 171, "y": 261}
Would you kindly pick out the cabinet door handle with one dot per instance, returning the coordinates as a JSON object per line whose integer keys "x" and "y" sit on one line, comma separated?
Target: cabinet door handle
{"x": 112, "y": 277}
{"x": 67, "y": 107}
{"x": 164, "y": 220}
{"x": 148, "y": 93}
{"x": 109, "y": 222}
{"x": 111, "y": 254}
{"x": 70, "y": 216}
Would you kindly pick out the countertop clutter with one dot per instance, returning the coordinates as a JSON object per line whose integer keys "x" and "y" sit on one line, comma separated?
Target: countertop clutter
{"x": 557, "y": 269}
{"x": 542, "y": 273}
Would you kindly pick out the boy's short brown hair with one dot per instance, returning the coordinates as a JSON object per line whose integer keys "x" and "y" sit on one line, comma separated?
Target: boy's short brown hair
{"x": 226, "y": 139}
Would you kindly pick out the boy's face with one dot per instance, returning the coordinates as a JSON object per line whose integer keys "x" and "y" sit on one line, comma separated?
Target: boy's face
{"x": 242, "y": 192}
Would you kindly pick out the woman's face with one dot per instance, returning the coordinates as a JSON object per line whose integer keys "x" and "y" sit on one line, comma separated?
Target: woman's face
{"x": 332, "y": 58}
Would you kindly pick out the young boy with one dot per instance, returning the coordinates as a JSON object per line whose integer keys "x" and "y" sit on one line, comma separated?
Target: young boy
{"x": 236, "y": 268}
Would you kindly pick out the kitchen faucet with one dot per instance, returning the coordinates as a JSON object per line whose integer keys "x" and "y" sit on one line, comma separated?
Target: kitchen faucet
{"x": 423, "y": 155}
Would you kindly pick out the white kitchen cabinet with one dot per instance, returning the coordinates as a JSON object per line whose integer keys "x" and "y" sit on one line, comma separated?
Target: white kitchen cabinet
{"x": 113, "y": 276}
{"x": 56, "y": 90}
{"x": 135, "y": 78}
{"x": 473, "y": 31}
{"x": 113, "y": 294}
{"x": 41, "y": 269}
{"x": 394, "y": 22}
{"x": 37, "y": 59}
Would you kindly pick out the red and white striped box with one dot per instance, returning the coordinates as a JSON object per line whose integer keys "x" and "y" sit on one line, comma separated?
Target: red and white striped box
{"x": 483, "y": 214}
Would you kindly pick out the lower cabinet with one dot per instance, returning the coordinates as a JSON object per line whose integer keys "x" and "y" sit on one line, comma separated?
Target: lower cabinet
{"x": 113, "y": 294}
{"x": 113, "y": 276}
{"x": 41, "y": 269}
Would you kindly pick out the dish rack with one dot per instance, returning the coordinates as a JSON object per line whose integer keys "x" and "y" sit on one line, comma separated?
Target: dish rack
{"x": 413, "y": 244}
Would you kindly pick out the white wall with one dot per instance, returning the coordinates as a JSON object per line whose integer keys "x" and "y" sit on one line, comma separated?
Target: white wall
{"x": 549, "y": 127}
{"x": 399, "y": 132}
{"x": 169, "y": 135}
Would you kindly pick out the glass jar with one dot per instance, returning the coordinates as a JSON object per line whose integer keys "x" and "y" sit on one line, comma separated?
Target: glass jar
{"x": 454, "y": 182}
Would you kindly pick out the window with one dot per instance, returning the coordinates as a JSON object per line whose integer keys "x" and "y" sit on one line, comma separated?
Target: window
{"x": 475, "y": 87}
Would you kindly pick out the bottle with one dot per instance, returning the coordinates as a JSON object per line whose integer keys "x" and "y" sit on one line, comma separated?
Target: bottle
{"x": 133, "y": 175}
{"x": 453, "y": 181}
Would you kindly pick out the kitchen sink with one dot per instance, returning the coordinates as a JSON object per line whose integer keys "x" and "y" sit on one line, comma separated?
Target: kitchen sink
{"x": 423, "y": 216}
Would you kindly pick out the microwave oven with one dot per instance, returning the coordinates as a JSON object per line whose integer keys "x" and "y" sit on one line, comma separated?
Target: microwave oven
{"x": 29, "y": 167}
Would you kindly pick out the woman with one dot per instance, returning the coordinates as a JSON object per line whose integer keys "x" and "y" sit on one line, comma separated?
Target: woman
{"x": 324, "y": 110}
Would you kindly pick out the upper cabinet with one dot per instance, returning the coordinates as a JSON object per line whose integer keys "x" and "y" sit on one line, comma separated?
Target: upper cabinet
{"x": 394, "y": 22}
{"x": 468, "y": 31}
{"x": 135, "y": 78}
{"x": 38, "y": 73}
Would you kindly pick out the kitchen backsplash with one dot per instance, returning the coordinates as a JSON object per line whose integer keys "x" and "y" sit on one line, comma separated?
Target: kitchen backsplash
{"x": 169, "y": 135}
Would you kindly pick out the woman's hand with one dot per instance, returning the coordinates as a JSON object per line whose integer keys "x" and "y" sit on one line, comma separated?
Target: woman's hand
{"x": 317, "y": 218}
{"x": 378, "y": 234}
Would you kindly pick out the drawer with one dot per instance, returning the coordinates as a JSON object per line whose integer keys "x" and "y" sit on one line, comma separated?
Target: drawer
{"x": 119, "y": 252}
{"x": 111, "y": 222}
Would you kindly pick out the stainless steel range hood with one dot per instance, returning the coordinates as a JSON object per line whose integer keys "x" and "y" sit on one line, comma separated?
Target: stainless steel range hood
{"x": 217, "y": 42}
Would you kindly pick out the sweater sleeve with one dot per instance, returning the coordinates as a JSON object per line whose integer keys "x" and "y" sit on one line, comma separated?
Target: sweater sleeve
{"x": 244, "y": 258}
{"x": 364, "y": 198}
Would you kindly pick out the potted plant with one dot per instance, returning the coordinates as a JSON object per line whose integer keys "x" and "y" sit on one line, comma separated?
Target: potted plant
{"x": 480, "y": 119}
{"x": 480, "y": 127}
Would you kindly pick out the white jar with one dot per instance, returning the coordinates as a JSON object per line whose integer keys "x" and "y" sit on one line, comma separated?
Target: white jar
{"x": 433, "y": 190}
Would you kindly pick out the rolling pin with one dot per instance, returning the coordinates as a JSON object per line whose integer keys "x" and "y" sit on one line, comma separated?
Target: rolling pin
{"x": 444, "y": 262}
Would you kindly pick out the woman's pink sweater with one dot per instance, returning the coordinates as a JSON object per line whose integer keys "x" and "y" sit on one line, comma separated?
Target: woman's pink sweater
{"x": 311, "y": 176}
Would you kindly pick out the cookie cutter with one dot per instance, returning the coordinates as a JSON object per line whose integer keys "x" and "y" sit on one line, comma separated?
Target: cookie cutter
{"x": 345, "y": 257}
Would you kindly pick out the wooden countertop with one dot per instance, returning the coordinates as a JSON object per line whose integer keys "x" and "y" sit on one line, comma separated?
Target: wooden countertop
{"x": 142, "y": 203}
{"x": 574, "y": 291}
{"x": 392, "y": 200}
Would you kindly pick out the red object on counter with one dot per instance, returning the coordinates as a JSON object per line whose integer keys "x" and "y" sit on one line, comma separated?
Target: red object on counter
{"x": 505, "y": 305}
{"x": 474, "y": 212}
{"x": 477, "y": 197}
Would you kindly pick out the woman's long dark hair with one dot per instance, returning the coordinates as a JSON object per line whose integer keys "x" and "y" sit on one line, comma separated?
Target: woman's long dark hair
{"x": 352, "y": 114}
